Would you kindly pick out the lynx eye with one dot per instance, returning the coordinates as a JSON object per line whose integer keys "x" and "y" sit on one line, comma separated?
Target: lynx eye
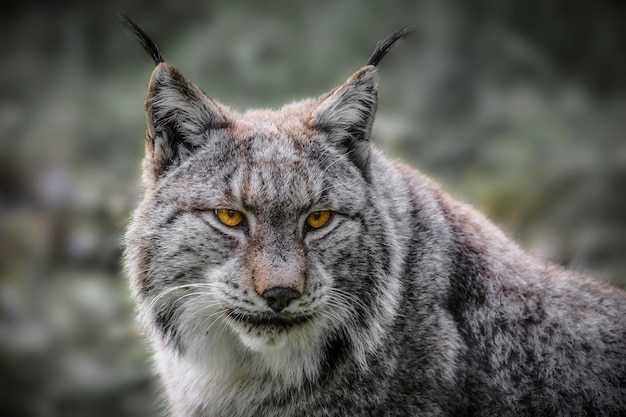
{"x": 229, "y": 217}
{"x": 318, "y": 219}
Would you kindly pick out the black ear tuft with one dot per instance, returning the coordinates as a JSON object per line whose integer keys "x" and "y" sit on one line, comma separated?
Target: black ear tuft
{"x": 383, "y": 47}
{"x": 148, "y": 44}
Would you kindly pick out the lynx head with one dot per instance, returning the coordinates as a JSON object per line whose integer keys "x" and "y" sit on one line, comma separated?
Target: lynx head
{"x": 259, "y": 242}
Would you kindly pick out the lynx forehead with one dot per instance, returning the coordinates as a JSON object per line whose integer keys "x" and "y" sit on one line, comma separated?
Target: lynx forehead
{"x": 283, "y": 266}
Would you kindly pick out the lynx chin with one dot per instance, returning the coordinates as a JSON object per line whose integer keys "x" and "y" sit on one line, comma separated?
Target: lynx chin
{"x": 283, "y": 266}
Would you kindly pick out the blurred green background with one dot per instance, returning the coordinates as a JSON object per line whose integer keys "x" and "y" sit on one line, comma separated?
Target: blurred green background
{"x": 518, "y": 107}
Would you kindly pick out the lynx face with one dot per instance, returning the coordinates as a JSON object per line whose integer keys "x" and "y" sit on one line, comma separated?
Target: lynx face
{"x": 258, "y": 231}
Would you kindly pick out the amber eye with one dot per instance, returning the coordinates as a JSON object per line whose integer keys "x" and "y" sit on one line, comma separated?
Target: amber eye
{"x": 318, "y": 219}
{"x": 229, "y": 217}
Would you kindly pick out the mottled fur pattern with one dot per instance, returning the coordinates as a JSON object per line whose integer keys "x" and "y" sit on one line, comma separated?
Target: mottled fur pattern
{"x": 410, "y": 303}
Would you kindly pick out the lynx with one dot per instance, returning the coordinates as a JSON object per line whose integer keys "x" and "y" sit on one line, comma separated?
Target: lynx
{"x": 283, "y": 266}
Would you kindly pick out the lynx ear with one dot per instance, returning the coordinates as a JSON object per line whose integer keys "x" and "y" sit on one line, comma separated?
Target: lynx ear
{"x": 179, "y": 117}
{"x": 347, "y": 115}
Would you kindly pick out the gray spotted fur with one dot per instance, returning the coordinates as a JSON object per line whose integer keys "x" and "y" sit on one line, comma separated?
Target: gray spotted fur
{"x": 413, "y": 305}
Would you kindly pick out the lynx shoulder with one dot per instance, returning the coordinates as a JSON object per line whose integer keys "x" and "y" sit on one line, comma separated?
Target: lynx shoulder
{"x": 283, "y": 266}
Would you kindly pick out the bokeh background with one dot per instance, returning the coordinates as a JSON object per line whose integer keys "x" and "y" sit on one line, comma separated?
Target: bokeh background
{"x": 518, "y": 107}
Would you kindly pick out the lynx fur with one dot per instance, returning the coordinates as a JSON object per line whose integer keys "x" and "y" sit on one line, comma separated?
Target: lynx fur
{"x": 404, "y": 302}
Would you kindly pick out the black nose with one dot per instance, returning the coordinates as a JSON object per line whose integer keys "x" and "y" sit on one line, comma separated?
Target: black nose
{"x": 279, "y": 297}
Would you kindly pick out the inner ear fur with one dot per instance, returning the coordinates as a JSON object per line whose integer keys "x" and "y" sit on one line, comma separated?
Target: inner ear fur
{"x": 179, "y": 117}
{"x": 347, "y": 113}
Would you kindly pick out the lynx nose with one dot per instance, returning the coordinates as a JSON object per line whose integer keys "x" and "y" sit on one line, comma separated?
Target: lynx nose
{"x": 278, "y": 298}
